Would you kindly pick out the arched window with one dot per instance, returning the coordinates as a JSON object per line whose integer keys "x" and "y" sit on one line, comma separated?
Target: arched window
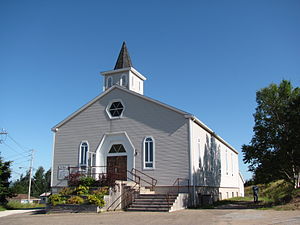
{"x": 109, "y": 82}
{"x": 123, "y": 80}
{"x": 83, "y": 154}
{"x": 149, "y": 153}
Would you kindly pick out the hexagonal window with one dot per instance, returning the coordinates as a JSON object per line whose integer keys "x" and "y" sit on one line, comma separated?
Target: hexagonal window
{"x": 115, "y": 109}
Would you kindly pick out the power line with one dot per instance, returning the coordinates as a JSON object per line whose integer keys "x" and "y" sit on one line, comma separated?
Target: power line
{"x": 19, "y": 145}
{"x": 13, "y": 149}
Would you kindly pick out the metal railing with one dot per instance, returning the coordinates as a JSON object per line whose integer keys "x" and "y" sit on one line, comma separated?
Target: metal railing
{"x": 153, "y": 181}
{"x": 126, "y": 193}
{"x": 130, "y": 191}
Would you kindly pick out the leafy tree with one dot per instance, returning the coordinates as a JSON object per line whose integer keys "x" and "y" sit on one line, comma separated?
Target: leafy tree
{"x": 5, "y": 173}
{"x": 274, "y": 151}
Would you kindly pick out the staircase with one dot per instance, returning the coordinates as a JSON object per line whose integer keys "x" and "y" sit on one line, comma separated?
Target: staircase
{"x": 153, "y": 203}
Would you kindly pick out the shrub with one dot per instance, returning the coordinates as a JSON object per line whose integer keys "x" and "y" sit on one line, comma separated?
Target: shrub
{"x": 74, "y": 179}
{"x": 75, "y": 200}
{"x": 66, "y": 191}
{"x": 87, "y": 181}
{"x": 96, "y": 200}
{"x": 82, "y": 190}
{"x": 56, "y": 199}
{"x": 101, "y": 191}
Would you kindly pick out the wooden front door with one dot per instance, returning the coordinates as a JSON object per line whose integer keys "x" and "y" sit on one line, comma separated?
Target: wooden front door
{"x": 117, "y": 167}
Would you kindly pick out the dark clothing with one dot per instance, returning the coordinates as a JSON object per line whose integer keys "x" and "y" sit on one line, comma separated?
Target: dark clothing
{"x": 255, "y": 193}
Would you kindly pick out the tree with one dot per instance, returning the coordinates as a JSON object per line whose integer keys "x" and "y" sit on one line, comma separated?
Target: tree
{"x": 20, "y": 186}
{"x": 5, "y": 173}
{"x": 274, "y": 151}
{"x": 40, "y": 183}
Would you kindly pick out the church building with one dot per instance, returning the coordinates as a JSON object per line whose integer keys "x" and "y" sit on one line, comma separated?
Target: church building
{"x": 122, "y": 131}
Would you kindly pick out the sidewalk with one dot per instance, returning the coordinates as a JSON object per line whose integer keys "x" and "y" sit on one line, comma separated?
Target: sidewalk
{"x": 16, "y": 211}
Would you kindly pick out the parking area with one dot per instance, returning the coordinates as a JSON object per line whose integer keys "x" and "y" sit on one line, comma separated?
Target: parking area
{"x": 211, "y": 216}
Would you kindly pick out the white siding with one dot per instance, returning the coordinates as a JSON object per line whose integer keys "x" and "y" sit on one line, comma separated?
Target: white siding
{"x": 209, "y": 163}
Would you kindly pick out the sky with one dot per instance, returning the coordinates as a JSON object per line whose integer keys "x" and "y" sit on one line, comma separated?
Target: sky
{"x": 205, "y": 57}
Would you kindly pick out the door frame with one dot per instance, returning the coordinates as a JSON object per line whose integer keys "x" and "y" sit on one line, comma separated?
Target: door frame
{"x": 106, "y": 142}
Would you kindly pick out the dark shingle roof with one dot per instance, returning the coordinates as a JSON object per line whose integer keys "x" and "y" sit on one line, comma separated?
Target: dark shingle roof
{"x": 124, "y": 60}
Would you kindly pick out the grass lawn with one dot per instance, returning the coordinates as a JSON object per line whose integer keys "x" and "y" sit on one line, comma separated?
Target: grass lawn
{"x": 18, "y": 205}
{"x": 2, "y": 208}
{"x": 278, "y": 195}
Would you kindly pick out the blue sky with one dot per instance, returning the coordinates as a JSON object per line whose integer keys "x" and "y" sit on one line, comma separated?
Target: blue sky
{"x": 206, "y": 57}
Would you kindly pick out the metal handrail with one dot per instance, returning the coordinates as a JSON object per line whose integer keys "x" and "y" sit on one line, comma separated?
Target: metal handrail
{"x": 153, "y": 180}
{"x": 132, "y": 189}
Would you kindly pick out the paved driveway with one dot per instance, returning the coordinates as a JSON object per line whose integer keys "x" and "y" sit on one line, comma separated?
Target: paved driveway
{"x": 214, "y": 216}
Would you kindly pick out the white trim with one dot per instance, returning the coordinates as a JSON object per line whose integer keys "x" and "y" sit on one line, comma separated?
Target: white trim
{"x": 109, "y": 105}
{"x": 121, "y": 80}
{"x": 117, "y": 153}
{"x": 201, "y": 124}
{"x": 226, "y": 161}
{"x": 123, "y": 89}
{"x": 186, "y": 114}
{"x": 133, "y": 70}
{"x": 143, "y": 155}
{"x": 111, "y": 83}
{"x": 87, "y": 153}
{"x": 52, "y": 168}
{"x": 114, "y": 138}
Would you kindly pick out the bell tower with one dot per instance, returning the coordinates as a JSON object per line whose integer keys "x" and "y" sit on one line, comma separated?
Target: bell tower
{"x": 124, "y": 74}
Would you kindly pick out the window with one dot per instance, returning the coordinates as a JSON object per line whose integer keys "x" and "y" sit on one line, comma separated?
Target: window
{"x": 83, "y": 153}
{"x": 115, "y": 109}
{"x": 232, "y": 164}
{"x": 109, "y": 82}
{"x": 149, "y": 153}
{"x": 118, "y": 148}
{"x": 226, "y": 159}
{"x": 199, "y": 152}
{"x": 123, "y": 80}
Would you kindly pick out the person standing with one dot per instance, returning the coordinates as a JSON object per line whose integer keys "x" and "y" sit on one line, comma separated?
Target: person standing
{"x": 255, "y": 193}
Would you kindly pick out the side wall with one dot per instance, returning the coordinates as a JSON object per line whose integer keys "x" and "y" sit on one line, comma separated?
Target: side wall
{"x": 213, "y": 164}
{"x": 141, "y": 118}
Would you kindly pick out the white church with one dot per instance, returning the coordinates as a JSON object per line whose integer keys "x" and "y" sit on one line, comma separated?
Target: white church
{"x": 124, "y": 133}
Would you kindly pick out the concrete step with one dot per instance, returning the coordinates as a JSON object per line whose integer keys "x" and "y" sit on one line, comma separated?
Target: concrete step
{"x": 160, "y": 209}
{"x": 151, "y": 205}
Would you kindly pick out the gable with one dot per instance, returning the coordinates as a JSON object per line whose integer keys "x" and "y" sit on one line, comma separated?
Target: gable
{"x": 116, "y": 92}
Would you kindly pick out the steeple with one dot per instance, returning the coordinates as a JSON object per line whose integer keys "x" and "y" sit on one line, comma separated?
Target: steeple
{"x": 123, "y": 60}
{"x": 124, "y": 74}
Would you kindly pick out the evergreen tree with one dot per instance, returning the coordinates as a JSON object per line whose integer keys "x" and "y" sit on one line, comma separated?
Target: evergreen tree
{"x": 5, "y": 173}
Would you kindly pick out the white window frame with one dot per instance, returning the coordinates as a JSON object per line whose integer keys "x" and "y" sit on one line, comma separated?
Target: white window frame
{"x": 144, "y": 152}
{"x": 109, "y": 105}
{"x": 87, "y": 153}
{"x": 232, "y": 165}
{"x": 109, "y": 82}
{"x": 117, "y": 153}
{"x": 121, "y": 80}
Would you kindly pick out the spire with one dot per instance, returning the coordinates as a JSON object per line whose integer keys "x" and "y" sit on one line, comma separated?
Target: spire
{"x": 123, "y": 59}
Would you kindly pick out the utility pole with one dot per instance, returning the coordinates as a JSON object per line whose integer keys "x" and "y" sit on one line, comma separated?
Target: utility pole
{"x": 30, "y": 174}
{"x": 3, "y": 134}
